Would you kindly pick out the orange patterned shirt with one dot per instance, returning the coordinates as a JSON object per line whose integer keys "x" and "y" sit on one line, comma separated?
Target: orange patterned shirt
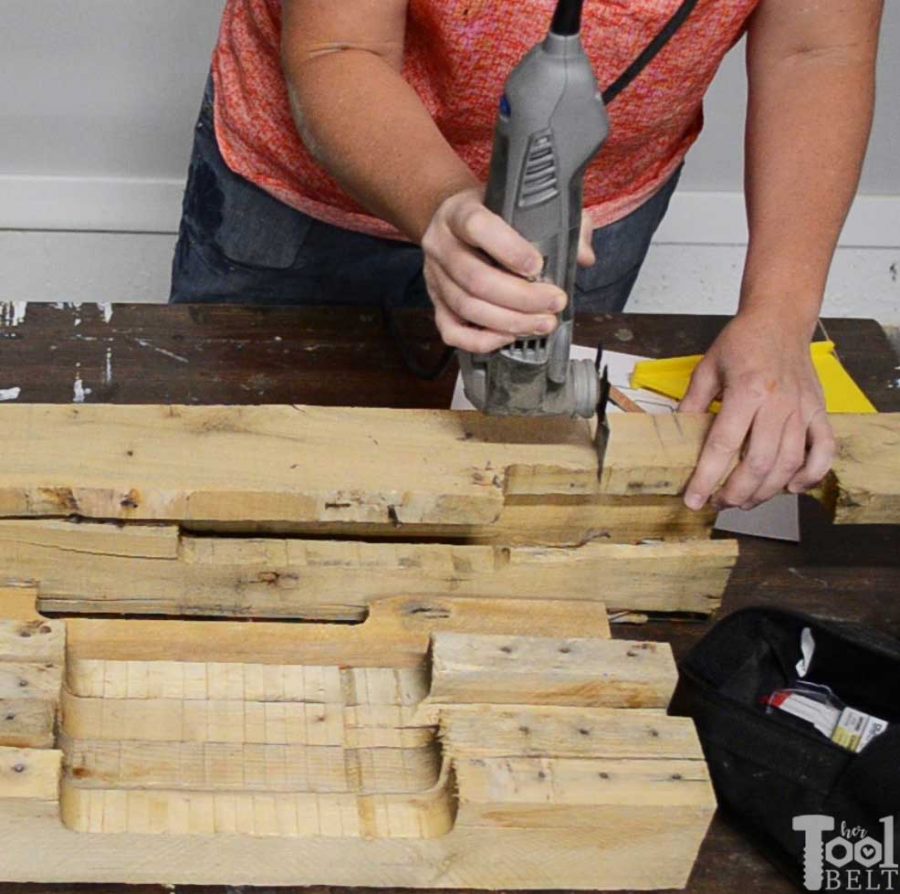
{"x": 457, "y": 58}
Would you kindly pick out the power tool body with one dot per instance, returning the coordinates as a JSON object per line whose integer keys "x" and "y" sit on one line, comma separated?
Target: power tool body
{"x": 552, "y": 123}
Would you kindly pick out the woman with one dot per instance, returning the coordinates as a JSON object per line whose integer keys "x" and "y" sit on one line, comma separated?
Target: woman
{"x": 337, "y": 138}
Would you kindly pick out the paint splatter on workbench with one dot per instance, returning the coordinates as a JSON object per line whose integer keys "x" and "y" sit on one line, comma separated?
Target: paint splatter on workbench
{"x": 146, "y": 344}
{"x": 9, "y": 394}
{"x": 79, "y": 392}
{"x": 12, "y": 313}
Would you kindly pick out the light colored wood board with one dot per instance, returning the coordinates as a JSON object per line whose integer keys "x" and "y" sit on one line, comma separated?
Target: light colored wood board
{"x": 652, "y": 454}
{"x": 657, "y": 455}
{"x": 191, "y": 681}
{"x": 382, "y": 468}
{"x": 238, "y": 721}
{"x": 510, "y": 615}
{"x": 542, "y": 670}
{"x": 506, "y": 787}
{"x": 423, "y": 815}
{"x": 263, "y": 643}
{"x": 867, "y": 469}
{"x": 633, "y": 848}
{"x": 37, "y": 641}
{"x": 316, "y": 464}
{"x": 28, "y": 774}
{"x": 395, "y": 634}
{"x": 71, "y": 539}
{"x": 18, "y": 603}
{"x": 27, "y": 723}
{"x": 216, "y": 766}
{"x": 513, "y": 793}
{"x": 571, "y": 521}
{"x": 30, "y": 681}
{"x": 547, "y": 520}
{"x": 337, "y": 580}
{"x": 555, "y": 731}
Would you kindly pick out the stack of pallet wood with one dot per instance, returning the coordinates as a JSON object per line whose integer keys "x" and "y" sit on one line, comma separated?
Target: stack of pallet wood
{"x": 475, "y": 726}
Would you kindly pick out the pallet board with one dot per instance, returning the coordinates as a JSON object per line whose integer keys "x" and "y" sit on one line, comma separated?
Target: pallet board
{"x": 98, "y": 568}
{"x": 315, "y": 467}
{"x": 406, "y": 751}
{"x": 458, "y": 717}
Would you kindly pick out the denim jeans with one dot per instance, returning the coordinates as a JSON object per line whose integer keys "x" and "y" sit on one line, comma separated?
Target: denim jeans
{"x": 239, "y": 245}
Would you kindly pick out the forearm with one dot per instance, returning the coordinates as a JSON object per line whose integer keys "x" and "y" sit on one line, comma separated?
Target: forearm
{"x": 809, "y": 117}
{"x": 370, "y": 131}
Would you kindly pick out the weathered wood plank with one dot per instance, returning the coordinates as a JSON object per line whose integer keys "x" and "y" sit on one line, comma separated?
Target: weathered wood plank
{"x": 30, "y": 681}
{"x": 866, "y": 477}
{"x": 29, "y": 774}
{"x": 18, "y": 603}
{"x": 27, "y": 723}
{"x": 517, "y": 790}
{"x": 545, "y": 520}
{"x": 395, "y": 634}
{"x": 238, "y": 721}
{"x": 99, "y": 568}
{"x": 627, "y": 848}
{"x": 38, "y": 641}
{"x": 422, "y": 815}
{"x": 218, "y": 766}
{"x": 556, "y": 731}
{"x": 541, "y": 671}
{"x": 657, "y": 455}
{"x": 302, "y": 464}
{"x": 229, "y": 680}
{"x": 391, "y": 469}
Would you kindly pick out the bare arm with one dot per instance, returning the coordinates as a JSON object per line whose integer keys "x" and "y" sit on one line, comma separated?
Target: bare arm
{"x": 367, "y": 126}
{"x": 811, "y": 72}
{"x": 357, "y": 114}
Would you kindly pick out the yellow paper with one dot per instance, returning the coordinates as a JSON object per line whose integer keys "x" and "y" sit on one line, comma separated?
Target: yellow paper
{"x": 672, "y": 377}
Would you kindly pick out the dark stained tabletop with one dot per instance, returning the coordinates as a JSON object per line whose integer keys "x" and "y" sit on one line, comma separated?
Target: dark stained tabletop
{"x": 231, "y": 355}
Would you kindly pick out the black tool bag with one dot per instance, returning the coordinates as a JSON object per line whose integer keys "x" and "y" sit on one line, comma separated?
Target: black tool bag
{"x": 769, "y": 767}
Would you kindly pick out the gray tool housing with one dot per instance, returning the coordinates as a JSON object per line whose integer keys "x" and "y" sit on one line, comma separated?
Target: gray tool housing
{"x": 552, "y": 123}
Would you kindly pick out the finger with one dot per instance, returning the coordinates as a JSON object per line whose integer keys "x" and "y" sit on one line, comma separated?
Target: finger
{"x": 790, "y": 458}
{"x": 457, "y": 334}
{"x": 480, "y": 228}
{"x": 475, "y": 276}
{"x": 703, "y": 390}
{"x": 723, "y": 443}
{"x": 474, "y": 310}
{"x": 758, "y": 460}
{"x": 819, "y": 459}
{"x": 586, "y": 255}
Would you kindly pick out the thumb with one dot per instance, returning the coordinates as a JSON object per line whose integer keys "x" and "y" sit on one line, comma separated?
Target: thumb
{"x": 704, "y": 389}
{"x": 586, "y": 255}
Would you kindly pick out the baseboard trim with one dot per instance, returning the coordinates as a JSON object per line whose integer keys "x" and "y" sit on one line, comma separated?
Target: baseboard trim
{"x": 718, "y": 218}
{"x": 124, "y": 205}
{"x": 90, "y": 204}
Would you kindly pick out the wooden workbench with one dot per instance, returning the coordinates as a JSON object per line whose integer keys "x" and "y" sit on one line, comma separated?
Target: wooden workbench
{"x": 231, "y": 355}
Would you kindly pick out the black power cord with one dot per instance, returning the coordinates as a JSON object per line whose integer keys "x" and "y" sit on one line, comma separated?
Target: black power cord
{"x": 410, "y": 361}
{"x": 650, "y": 52}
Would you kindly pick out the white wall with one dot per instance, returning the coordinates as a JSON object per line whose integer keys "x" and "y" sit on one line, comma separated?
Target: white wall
{"x": 97, "y": 102}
